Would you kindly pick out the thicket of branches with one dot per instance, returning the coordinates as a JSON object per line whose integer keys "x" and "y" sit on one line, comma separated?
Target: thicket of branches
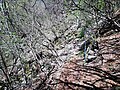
{"x": 33, "y": 31}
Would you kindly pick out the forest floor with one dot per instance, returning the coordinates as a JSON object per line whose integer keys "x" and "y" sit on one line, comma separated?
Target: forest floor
{"x": 102, "y": 73}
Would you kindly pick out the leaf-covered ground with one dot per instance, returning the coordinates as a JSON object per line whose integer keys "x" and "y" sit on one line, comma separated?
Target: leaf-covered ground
{"x": 100, "y": 74}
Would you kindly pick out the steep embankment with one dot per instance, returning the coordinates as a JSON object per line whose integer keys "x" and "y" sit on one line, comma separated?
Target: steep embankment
{"x": 106, "y": 75}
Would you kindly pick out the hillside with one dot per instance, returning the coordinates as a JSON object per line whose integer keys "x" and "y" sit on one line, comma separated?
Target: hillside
{"x": 95, "y": 75}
